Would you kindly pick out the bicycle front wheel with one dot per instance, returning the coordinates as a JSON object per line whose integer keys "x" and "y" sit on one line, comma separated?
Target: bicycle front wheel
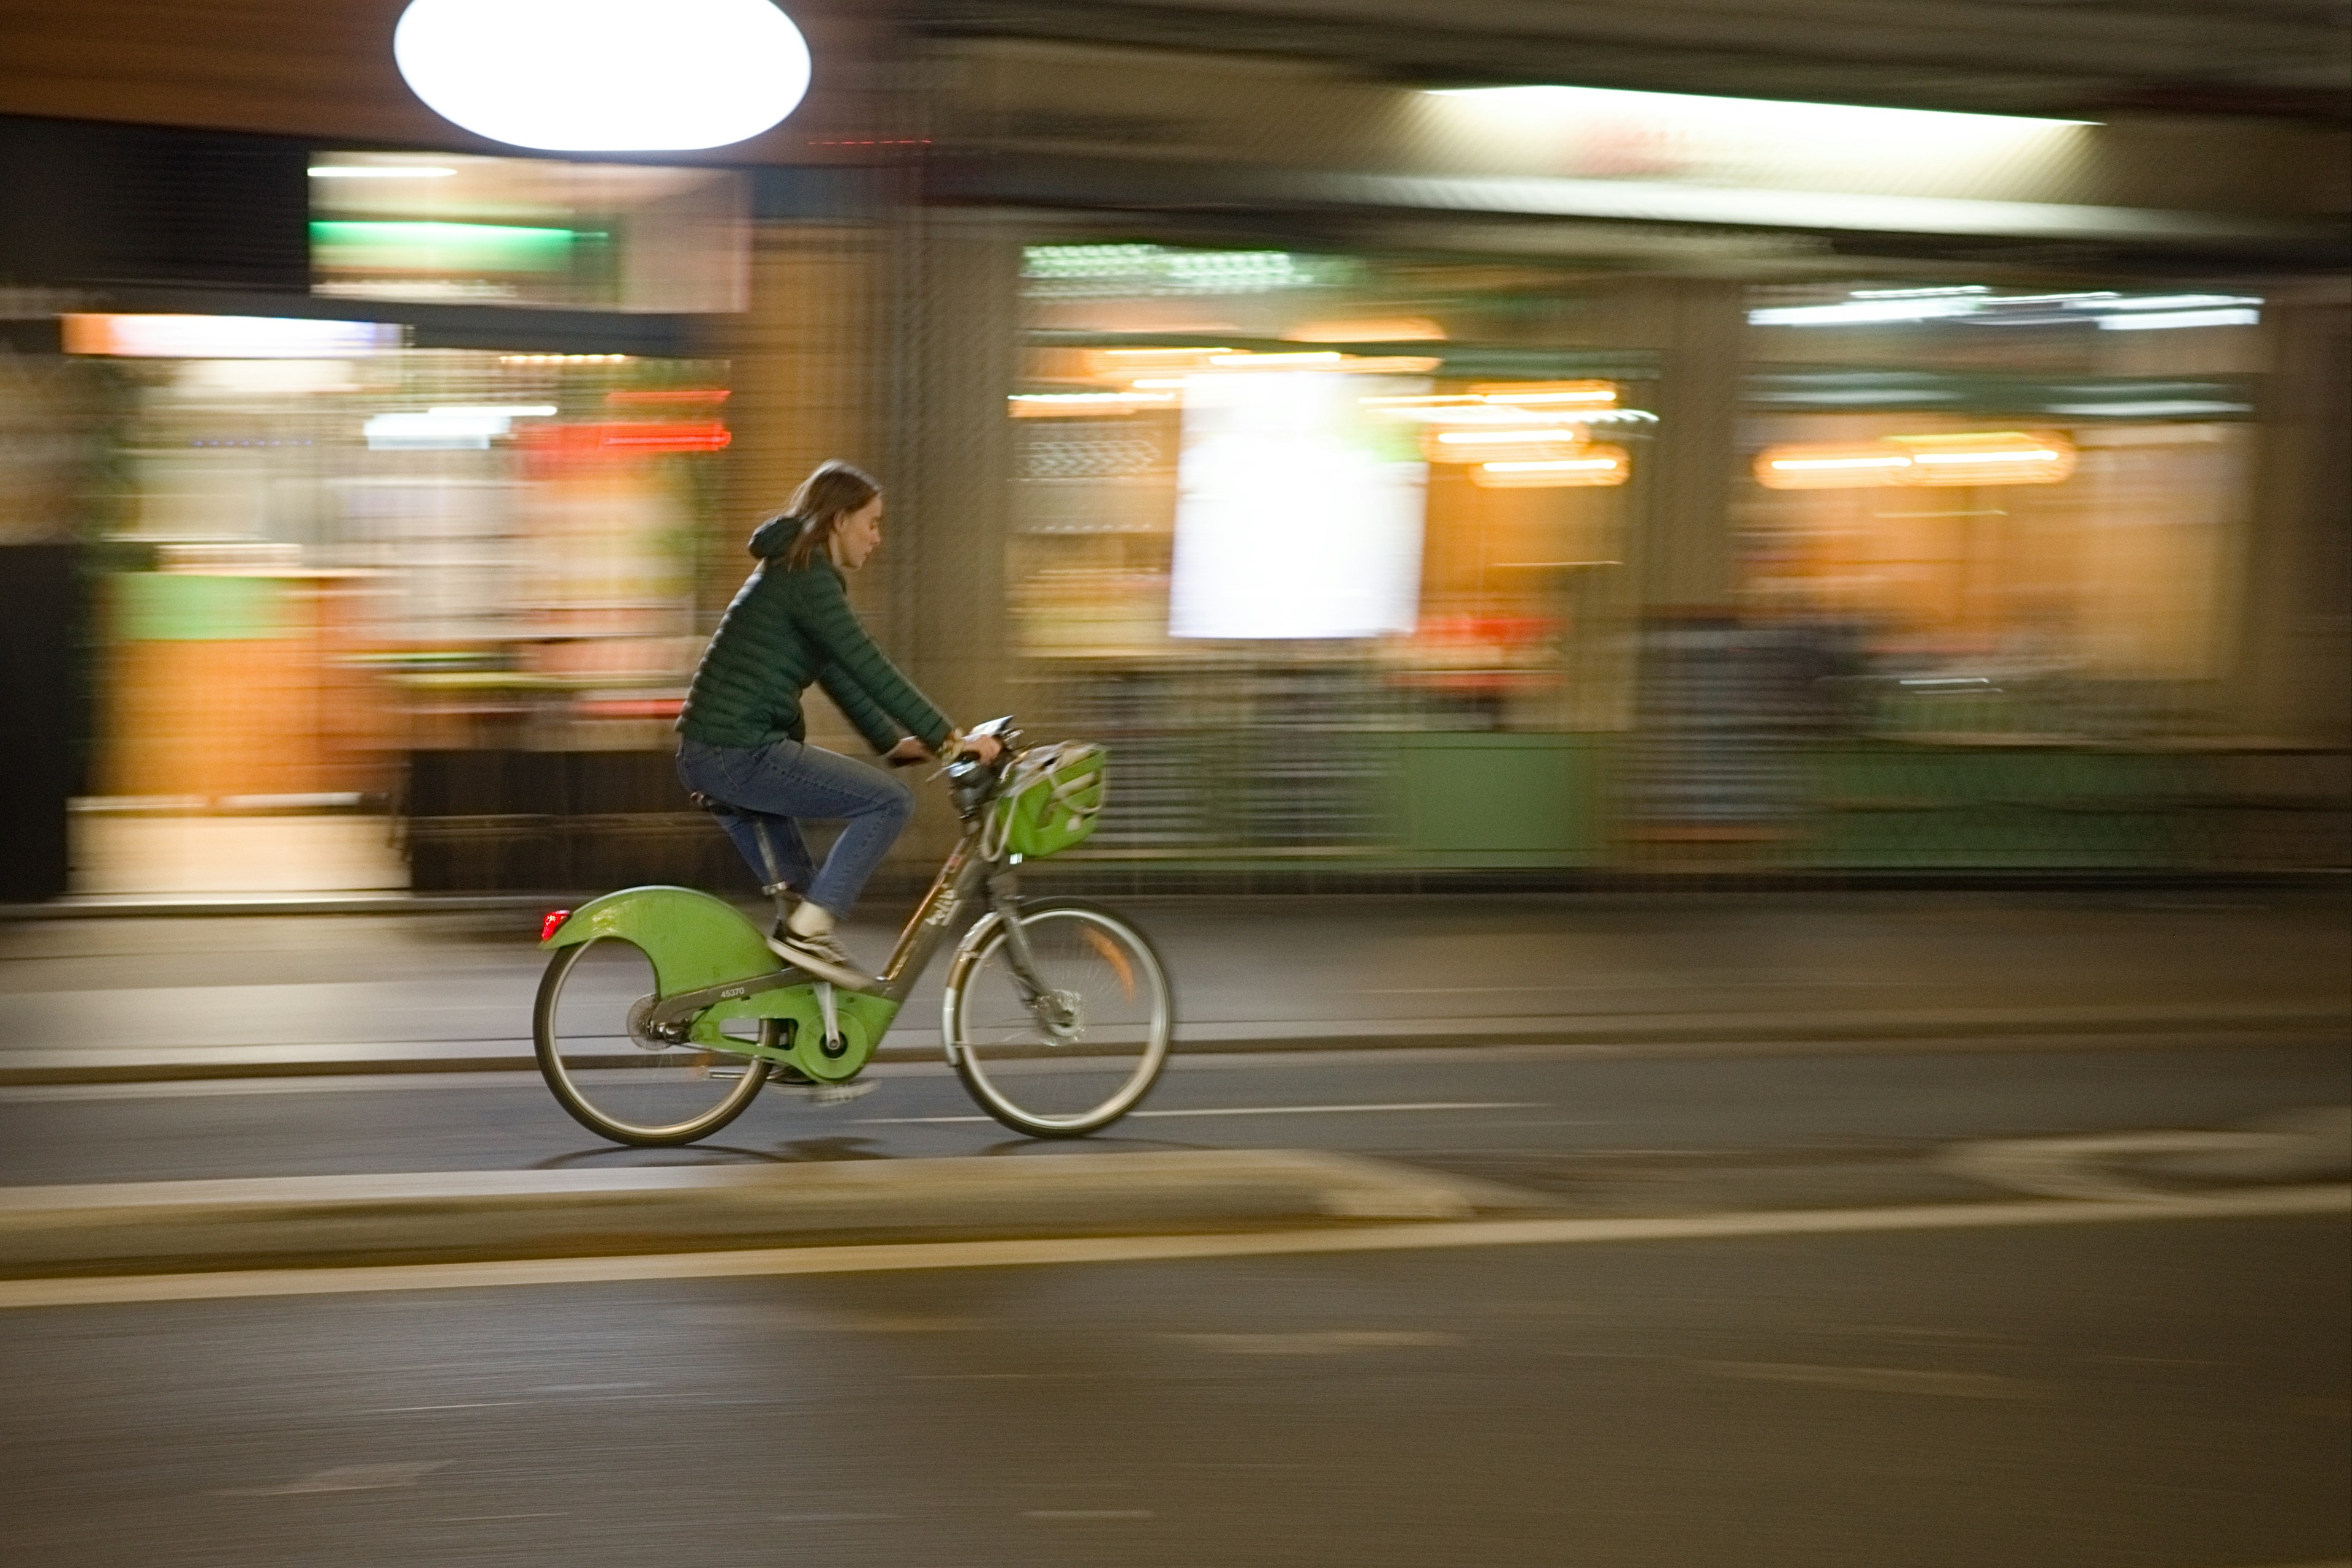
{"x": 607, "y": 1067}
{"x": 1082, "y": 1054}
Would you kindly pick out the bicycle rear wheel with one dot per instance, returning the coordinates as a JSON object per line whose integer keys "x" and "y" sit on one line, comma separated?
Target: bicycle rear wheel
{"x": 608, "y": 1068}
{"x": 1082, "y": 1056}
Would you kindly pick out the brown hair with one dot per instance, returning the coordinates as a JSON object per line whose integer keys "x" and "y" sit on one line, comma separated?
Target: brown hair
{"x": 829, "y": 494}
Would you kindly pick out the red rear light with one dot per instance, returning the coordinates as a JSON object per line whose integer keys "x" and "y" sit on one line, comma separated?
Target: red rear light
{"x": 554, "y": 918}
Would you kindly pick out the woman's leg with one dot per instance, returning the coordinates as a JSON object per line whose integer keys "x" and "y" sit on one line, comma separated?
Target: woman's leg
{"x": 772, "y": 846}
{"x": 790, "y": 779}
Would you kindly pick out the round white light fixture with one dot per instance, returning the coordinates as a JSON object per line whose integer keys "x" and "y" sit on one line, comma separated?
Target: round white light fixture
{"x": 605, "y": 76}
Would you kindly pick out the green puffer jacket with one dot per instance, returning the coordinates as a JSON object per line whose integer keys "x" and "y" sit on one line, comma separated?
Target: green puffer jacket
{"x": 786, "y": 628}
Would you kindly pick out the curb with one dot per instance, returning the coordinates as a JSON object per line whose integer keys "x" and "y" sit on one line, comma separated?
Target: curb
{"x": 169, "y": 1226}
{"x": 1693, "y": 1034}
{"x": 1105, "y": 881}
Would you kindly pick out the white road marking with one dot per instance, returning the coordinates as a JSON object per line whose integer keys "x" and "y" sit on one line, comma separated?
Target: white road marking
{"x": 904, "y": 1256}
{"x": 1244, "y": 1111}
{"x": 1881, "y": 1379}
{"x": 347, "y": 1478}
{"x": 1087, "y": 1513}
{"x": 1323, "y": 1341}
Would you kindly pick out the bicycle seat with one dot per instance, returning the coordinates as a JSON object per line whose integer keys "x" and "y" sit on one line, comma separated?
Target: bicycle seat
{"x": 710, "y": 803}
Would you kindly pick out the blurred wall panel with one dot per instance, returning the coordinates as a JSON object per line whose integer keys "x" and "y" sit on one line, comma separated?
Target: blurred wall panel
{"x": 801, "y": 365}
{"x": 221, "y": 686}
{"x": 39, "y": 600}
{"x": 127, "y": 203}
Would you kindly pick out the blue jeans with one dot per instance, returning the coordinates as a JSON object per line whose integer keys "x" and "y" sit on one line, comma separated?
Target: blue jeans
{"x": 769, "y": 786}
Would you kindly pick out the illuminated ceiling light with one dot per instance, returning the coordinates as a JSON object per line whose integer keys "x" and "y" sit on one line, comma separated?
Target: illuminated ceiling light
{"x": 1072, "y": 271}
{"x": 224, "y": 337}
{"x": 2159, "y": 320}
{"x": 1977, "y": 457}
{"x": 1502, "y": 446}
{"x": 1806, "y": 465}
{"x": 1920, "y": 293}
{"x": 1498, "y": 437}
{"x": 605, "y": 76}
{"x": 1379, "y": 330}
{"x": 2035, "y": 455}
{"x": 1597, "y": 392}
{"x": 440, "y": 430}
{"x": 1852, "y": 311}
{"x": 379, "y": 172}
{"x": 1597, "y": 465}
{"x": 2154, "y": 408}
{"x": 2163, "y": 301}
{"x": 1246, "y": 360}
{"x": 1987, "y": 457}
{"x": 499, "y": 411}
{"x": 1537, "y": 104}
{"x": 1442, "y": 414}
{"x": 1051, "y": 405}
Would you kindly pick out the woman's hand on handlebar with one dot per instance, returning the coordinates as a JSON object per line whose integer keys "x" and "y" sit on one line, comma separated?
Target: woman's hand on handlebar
{"x": 910, "y": 751}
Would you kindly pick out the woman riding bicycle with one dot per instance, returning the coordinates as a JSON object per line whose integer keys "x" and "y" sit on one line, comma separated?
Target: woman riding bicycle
{"x": 744, "y": 741}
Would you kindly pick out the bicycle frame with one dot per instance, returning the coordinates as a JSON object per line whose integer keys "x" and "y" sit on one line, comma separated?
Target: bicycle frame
{"x": 919, "y": 943}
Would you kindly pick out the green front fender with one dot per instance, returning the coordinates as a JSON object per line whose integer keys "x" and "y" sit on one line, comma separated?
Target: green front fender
{"x": 693, "y": 939}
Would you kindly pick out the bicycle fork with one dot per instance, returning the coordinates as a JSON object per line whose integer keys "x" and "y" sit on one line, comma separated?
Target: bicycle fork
{"x": 1044, "y": 1004}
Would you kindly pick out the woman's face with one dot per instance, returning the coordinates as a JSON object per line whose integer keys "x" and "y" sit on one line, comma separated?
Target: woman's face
{"x": 856, "y": 534}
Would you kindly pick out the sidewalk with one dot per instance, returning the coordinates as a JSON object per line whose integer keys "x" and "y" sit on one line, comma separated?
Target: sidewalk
{"x": 96, "y": 999}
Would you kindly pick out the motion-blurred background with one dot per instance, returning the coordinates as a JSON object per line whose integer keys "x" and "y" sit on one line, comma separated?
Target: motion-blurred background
{"x": 1498, "y": 440}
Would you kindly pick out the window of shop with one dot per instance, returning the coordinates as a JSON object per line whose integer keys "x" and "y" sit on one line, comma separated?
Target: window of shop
{"x": 528, "y": 231}
{"x": 1321, "y": 541}
{"x": 2039, "y": 494}
{"x": 324, "y": 563}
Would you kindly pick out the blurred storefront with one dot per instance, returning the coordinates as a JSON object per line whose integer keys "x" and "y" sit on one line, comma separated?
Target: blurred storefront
{"x": 386, "y": 581}
{"x": 1404, "y": 481}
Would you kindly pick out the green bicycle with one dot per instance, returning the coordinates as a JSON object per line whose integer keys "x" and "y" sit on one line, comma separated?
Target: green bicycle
{"x": 663, "y": 1013}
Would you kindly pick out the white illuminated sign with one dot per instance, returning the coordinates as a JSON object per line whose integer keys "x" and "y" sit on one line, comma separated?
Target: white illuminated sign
{"x": 225, "y": 337}
{"x": 1298, "y": 513}
{"x": 606, "y": 76}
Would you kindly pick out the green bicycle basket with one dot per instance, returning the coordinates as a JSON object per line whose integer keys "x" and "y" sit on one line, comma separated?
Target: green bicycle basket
{"x": 1050, "y": 800}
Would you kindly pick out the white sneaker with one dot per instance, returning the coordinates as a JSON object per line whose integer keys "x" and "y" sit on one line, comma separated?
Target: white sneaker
{"x": 822, "y": 957}
{"x": 821, "y": 1095}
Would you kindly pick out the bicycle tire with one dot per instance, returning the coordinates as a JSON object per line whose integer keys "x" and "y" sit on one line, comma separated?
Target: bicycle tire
{"x": 1015, "y": 1070}
{"x": 615, "y": 1056}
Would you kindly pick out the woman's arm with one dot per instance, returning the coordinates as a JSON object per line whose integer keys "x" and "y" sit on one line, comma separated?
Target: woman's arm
{"x": 833, "y": 627}
{"x": 857, "y": 705}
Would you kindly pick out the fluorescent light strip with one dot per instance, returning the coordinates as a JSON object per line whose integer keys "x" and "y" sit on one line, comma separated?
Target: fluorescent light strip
{"x": 378, "y": 172}
{"x": 1506, "y": 438}
{"x": 2157, "y": 320}
{"x": 1852, "y": 311}
{"x": 1540, "y": 99}
{"x": 1083, "y": 398}
{"x": 2163, "y": 301}
{"x": 2037, "y": 456}
{"x": 1595, "y": 395}
{"x": 1274, "y": 361}
{"x": 1550, "y": 465}
{"x": 1799, "y": 465}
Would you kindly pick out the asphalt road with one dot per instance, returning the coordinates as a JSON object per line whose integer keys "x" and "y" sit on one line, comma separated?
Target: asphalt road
{"x": 1717, "y": 1127}
{"x": 2157, "y": 1394}
{"x": 360, "y": 988}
